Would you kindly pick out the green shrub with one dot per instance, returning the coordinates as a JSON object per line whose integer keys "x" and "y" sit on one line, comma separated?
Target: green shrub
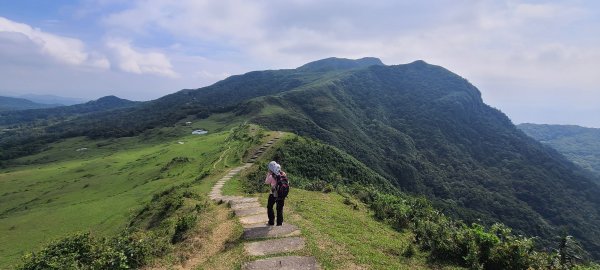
{"x": 84, "y": 251}
{"x": 80, "y": 251}
{"x": 184, "y": 224}
{"x": 140, "y": 247}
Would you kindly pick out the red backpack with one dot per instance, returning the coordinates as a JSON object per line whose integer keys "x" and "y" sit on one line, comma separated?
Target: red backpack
{"x": 282, "y": 188}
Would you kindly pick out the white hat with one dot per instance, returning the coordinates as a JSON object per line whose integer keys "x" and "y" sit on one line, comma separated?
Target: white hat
{"x": 274, "y": 167}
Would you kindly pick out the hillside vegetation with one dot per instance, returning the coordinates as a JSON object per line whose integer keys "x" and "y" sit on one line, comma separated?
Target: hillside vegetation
{"x": 14, "y": 104}
{"x": 423, "y": 129}
{"x": 579, "y": 144}
{"x": 428, "y": 132}
{"x": 422, "y": 231}
{"x": 100, "y": 186}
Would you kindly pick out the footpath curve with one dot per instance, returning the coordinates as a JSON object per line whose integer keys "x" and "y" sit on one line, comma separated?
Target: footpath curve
{"x": 263, "y": 240}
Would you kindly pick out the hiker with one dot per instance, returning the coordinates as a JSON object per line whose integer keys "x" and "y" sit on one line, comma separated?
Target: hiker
{"x": 278, "y": 192}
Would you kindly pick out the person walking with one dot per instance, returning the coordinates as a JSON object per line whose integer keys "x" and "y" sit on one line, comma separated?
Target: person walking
{"x": 274, "y": 176}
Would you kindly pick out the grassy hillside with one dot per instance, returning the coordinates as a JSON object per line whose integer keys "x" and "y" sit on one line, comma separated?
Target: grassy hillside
{"x": 81, "y": 184}
{"x": 428, "y": 132}
{"x": 423, "y": 233}
{"x": 579, "y": 144}
{"x": 423, "y": 129}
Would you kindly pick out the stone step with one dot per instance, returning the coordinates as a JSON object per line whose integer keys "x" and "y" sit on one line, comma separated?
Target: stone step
{"x": 264, "y": 231}
{"x": 242, "y": 200}
{"x": 228, "y": 199}
{"x": 253, "y": 219}
{"x": 250, "y": 211}
{"x": 274, "y": 246}
{"x": 245, "y": 205}
{"x": 283, "y": 263}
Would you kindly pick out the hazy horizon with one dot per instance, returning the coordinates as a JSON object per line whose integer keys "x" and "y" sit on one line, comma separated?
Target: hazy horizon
{"x": 535, "y": 61}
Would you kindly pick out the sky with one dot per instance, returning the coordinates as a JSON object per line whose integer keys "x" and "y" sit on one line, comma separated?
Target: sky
{"x": 536, "y": 61}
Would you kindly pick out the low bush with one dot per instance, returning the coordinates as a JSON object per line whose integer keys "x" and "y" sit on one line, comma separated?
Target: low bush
{"x": 184, "y": 224}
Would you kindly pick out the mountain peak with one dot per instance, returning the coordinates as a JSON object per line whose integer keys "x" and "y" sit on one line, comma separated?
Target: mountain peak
{"x": 109, "y": 101}
{"x": 334, "y": 63}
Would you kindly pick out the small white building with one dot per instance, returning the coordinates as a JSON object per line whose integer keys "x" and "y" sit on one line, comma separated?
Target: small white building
{"x": 199, "y": 132}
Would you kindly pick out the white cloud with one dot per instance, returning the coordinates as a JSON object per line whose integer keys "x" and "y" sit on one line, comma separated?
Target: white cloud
{"x": 517, "y": 52}
{"x": 131, "y": 60}
{"x": 63, "y": 49}
{"x": 205, "y": 19}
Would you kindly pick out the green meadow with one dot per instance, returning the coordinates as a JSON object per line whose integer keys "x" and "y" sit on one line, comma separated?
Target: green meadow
{"x": 97, "y": 185}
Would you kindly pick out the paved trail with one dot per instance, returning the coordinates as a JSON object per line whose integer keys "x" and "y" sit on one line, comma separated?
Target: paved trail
{"x": 263, "y": 240}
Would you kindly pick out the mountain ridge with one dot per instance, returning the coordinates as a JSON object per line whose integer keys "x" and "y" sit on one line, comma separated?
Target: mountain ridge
{"x": 579, "y": 144}
{"x": 334, "y": 63}
{"x": 15, "y": 104}
{"x": 422, "y": 127}
{"x": 445, "y": 131}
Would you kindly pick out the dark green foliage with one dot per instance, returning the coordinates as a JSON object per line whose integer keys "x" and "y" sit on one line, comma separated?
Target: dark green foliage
{"x": 570, "y": 252}
{"x": 140, "y": 247}
{"x": 446, "y": 239}
{"x": 28, "y": 131}
{"x": 13, "y": 104}
{"x": 84, "y": 251}
{"x": 421, "y": 127}
{"x": 174, "y": 162}
{"x": 314, "y": 166}
{"x": 579, "y": 144}
{"x": 162, "y": 206}
{"x": 64, "y": 112}
{"x": 80, "y": 251}
{"x": 428, "y": 132}
{"x": 163, "y": 221}
{"x": 333, "y": 63}
{"x": 184, "y": 224}
{"x": 134, "y": 118}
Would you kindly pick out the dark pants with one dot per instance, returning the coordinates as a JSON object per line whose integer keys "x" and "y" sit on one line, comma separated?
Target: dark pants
{"x": 272, "y": 201}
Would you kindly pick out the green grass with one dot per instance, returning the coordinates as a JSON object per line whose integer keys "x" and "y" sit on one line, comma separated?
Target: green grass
{"x": 342, "y": 234}
{"x": 60, "y": 191}
{"x": 233, "y": 187}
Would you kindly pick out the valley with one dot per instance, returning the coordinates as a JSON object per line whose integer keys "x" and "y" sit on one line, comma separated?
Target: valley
{"x": 61, "y": 190}
{"x": 410, "y": 152}
{"x": 579, "y": 144}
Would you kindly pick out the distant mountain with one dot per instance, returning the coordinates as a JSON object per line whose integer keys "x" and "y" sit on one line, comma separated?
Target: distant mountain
{"x": 579, "y": 144}
{"x": 428, "y": 131}
{"x": 336, "y": 64}
{"x": 63, "y": 112}
{"x": 52, "y": 99}
{"x": 422, "y": 127}
{"x": 13, "y": 104}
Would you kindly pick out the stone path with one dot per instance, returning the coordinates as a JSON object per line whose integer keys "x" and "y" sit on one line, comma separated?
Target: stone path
{"x": 263, "y": 240}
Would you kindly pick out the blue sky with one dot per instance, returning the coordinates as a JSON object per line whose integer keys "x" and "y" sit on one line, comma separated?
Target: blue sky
{"x": 537, "y": 61}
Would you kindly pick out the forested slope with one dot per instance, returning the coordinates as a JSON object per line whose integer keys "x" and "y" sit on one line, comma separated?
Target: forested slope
{"x": 428, "y": 131}
{"x": 423, "y": 128}
{"x": 579, "y": 144}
